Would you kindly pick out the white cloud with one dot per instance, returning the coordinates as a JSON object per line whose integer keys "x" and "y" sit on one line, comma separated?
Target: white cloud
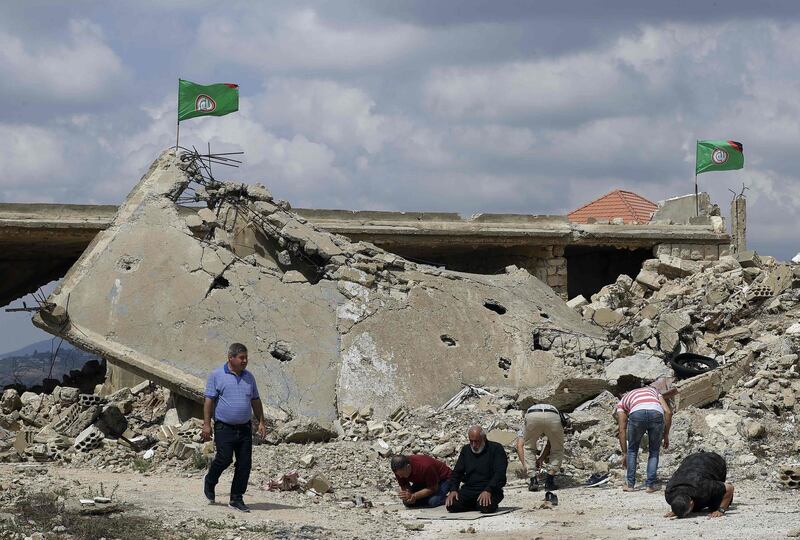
{"x": 31, "y": 157}
{"x": 266, "y": 39}
{"x": 81, "y": 69}
{"x": 340, "y": 115}
{"x": 542, "y": 88}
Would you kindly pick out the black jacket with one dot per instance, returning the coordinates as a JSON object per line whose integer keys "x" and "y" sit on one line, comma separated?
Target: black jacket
{"x": 486, "y": 471}
{"x": 701, "y": 476}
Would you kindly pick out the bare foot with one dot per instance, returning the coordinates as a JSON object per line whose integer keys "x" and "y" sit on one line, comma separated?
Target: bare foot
{"x": 627, "y": 488}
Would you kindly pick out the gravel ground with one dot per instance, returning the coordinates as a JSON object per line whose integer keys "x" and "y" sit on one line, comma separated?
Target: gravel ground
{"x": 760, "y": 511}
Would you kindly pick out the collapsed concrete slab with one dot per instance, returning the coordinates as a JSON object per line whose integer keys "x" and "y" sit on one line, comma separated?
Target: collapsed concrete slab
{"x": 329, "y": 323}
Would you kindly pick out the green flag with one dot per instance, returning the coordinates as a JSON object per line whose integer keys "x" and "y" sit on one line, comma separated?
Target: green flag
{"x": 211, "y": 100}
{"x": 718, "y": 156}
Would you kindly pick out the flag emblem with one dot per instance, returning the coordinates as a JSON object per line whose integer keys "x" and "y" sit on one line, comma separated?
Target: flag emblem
{"x": 719, "y": 156}
{"x": 205, "y": 104}
{"x": 206, "y": 100}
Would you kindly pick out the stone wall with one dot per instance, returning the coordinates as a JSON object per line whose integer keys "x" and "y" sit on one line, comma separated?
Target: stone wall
{"x": 550, "y": 266}
{"x": 693, "y": 252}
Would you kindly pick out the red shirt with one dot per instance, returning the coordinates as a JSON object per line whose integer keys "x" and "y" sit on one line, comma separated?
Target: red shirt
{"x": 425, "y": 471}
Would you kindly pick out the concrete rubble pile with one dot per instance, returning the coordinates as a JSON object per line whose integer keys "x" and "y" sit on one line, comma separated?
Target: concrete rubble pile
{"x": 742, "y": 311}
{"x": 330, "y": 323}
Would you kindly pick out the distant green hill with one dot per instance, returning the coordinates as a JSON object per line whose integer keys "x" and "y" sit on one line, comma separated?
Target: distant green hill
{"x": 28, "y": 367}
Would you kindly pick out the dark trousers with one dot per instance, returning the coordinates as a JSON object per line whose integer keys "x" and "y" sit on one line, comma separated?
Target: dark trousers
{"x": 468, "y": 501}
{"x": 437, "y": 499}
{"x": 232, "y": 441}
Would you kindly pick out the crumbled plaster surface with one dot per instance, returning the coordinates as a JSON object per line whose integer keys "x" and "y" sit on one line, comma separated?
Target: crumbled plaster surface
{"x": 328, "y": 322}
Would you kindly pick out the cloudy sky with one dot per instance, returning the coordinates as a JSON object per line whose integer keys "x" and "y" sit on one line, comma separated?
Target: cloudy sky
{"x": 464, "y": 106}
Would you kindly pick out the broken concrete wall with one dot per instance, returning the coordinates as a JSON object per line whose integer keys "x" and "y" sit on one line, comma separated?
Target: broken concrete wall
{"x": 693, "y": 252}
{"x": 328, "y": 322}
{"x": 681, "y": 210}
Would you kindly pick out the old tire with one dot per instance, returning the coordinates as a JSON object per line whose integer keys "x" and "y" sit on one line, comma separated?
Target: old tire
{"x": 690, "y": 364}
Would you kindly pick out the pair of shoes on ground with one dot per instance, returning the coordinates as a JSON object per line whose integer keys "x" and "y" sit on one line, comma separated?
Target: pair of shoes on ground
{"x": 534, "y": 484}
{"x": 597, "y": 479}
{"x": 648, "y": 489}
{"x": 236, "y": 504}
{"x": 549, "y": 483}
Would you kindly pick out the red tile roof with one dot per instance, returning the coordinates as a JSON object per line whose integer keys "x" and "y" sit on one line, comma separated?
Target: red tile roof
{"x": 619, "y": 203}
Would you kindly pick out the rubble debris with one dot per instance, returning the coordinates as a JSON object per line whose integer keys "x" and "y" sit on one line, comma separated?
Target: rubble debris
{"x": 318, "y": 484}
{"x": 646, "y": 367}
{"x": 10, "y": 401}
{"x": 305, "y": 430}
{"x": 288, "y": 482}
{"x": 89, "y": 439}
{"x": 462, "y": 395}
{"x": 790, "y": 477}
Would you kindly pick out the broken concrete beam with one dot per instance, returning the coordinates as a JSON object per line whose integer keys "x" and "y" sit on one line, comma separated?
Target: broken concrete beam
{"x": 566, "y": 396}
{"x": 305, "y": 430}
{"x": 360, "y": 348}
{"x": 646, "y": 367}
{"x": 709, "y": 387}
{"x": 577, "y": 302}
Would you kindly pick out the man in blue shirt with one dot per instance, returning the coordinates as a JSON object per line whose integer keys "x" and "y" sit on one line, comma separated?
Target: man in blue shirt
{"x": 230, "y": 394}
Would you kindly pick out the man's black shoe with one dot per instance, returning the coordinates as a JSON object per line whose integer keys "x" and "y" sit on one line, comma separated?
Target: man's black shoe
{"x": 534, "y": 484}
{"x": 550, "y": 483}
{"x": 208, "y": 491}
{"x": 551, "y": 497}
{"x": 597, "y": 479}
{"x": 239, "y": 505}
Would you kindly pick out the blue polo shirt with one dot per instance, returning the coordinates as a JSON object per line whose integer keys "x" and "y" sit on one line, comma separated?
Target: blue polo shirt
{"x": 232, "y": 394}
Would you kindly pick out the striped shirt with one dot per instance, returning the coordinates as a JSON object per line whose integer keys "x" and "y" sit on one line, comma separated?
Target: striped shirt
{"x": 232, "y": 394}
{"x": 641, "y": 399}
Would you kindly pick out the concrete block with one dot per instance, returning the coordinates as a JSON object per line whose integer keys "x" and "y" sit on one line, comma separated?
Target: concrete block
{"x": 319, "y": 484}
{"x": 444, "y": 450}
{"x": 749, "y": 259}
{"x": 111, "y": 421}
{"x": 641, "y": 365}
{"x": 307, "y": 461}
{"x": 183, "y": 449}
{"x": 89, "y": 439}
{"x": 789, "y": 476}
{"x": 577, "y": 302}
{"x": 10, "y": 401}
{"x": 648, "y": 279}
{"x": 607, "y": 317}
{"x": 382, "y": 448}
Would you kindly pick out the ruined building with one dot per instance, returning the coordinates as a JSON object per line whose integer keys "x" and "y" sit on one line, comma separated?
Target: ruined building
{"x": 330, "y": 322}
{"x": 188, "y": 264}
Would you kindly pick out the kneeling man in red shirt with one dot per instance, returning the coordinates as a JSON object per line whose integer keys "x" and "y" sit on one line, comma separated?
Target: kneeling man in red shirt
{"x": 422, "y": 479}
